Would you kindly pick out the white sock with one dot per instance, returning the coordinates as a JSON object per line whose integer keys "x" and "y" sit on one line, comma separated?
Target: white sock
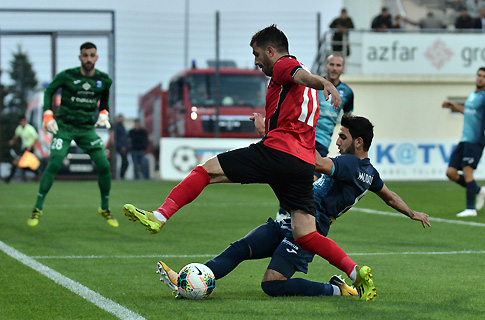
{"x": 159, "y": 216}
{"x": 353, "y": 274}
{"x": 336, "y": 291}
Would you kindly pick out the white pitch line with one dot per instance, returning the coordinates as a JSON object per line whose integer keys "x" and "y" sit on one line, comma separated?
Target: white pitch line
{"x": 128, "y": 257}
{"x": 395, "y": 214}
{"x": 83, "y": 291}
{"x": 213, "y": 255}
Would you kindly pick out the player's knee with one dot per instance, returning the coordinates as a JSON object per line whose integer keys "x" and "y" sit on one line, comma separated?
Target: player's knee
{"x": 102, "y": 163}
{"x": 54, "y": 165}
{"x": 103, "y": 167}
{"x": 240, "y": 248}
{"x": 452, "y": 174}
{"x": 272, "y": 288}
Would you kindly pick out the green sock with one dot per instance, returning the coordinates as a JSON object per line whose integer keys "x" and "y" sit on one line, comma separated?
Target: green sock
{"x": 104, "y": 177}
{"x": 47, "y": 180}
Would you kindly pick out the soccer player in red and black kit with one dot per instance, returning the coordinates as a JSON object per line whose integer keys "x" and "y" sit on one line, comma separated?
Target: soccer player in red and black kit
{"x": 284, "y": 158}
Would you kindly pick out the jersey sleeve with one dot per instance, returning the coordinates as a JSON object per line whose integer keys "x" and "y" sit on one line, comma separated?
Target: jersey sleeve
{"x": 18, "y": 131}
{"x": 284, "y": 71}
{"x": 51, "y": 90}
{"x": 377, "y": 183}
{"x": 104, "y": 99}
{"x": 340, "y": 168}
{"x": 349, "y": 106}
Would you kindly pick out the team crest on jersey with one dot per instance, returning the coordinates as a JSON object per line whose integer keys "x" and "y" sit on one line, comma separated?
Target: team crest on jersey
{"x": 86, "y": 86}
{"x": 98, "y": 83}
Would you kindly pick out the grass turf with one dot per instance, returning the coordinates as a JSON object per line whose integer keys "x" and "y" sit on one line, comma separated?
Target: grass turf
{"x": 120, "y": 263}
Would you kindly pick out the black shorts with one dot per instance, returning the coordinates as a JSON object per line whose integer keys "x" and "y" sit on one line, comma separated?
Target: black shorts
{"x": 290, "y": 177}
{"x": 466, "y": 154}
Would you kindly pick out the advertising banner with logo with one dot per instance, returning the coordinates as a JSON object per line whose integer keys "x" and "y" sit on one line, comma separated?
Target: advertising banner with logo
{"x": 178, "y": 156}
{"x": 414, "y": 159}
{"x": 395, "y": 159}
{"x": 422, "y": 53}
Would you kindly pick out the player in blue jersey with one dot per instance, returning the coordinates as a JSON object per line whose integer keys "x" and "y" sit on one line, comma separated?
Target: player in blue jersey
{"x": 328, "y": 114}
{"x": 345, "y": 180}
{"x": 467, "y": 154}
{"x": 334, "y": 67}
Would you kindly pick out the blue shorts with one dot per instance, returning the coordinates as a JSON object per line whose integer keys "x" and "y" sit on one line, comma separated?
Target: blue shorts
{"x": 466, "y": 154}
{"x": 289, "y": 257}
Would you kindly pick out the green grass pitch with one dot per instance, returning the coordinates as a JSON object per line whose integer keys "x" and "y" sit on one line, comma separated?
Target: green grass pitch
{"x": 434, "y": 273}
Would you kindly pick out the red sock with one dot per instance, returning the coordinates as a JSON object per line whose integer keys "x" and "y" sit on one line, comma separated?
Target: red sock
{"x": 328, "y": 250}
{"x": 185, "y": 192}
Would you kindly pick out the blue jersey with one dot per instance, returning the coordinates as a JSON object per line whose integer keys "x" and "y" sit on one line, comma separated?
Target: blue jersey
{"x": 336, "y": 193}
{"x": 328, "y": 115}
{"x": 474, "y": 122}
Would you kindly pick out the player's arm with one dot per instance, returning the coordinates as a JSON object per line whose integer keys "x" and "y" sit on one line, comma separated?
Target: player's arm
{"x": 49, "y": 122}
{"x": 258, "y": 120}
{"x": 453, "y": 106}
{"x": 393, "y": 200}
{"x": 307, "y": 79}
{"x": 12, "y": 141}
{"x": 323, "y": 165}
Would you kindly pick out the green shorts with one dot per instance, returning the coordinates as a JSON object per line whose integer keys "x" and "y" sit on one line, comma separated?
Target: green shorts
{"x": 86, "y": 139}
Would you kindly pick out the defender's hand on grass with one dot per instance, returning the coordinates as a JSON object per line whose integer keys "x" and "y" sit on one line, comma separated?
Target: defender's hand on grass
{"x": 421, "y": 216}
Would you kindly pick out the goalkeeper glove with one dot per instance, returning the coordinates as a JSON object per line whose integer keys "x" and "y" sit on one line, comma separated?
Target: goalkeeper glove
{"x": 103, "y": 120}
{"x": 50, "y": 123}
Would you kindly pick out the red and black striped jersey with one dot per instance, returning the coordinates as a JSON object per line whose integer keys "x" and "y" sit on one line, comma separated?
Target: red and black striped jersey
{"x": 291, "y": 112}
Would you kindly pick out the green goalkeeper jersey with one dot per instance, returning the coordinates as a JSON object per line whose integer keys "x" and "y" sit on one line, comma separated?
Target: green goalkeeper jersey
{"x": 79, "y": 96}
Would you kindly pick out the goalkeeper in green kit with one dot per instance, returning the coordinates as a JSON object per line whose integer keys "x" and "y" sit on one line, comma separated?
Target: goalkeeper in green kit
{"x": 82, "y": 89}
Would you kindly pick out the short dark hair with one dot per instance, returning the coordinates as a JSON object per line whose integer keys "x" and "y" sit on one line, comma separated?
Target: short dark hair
{"x": 481, "y": 69}
{"x": 88, "y": 45}
{"x": 270, "y": 36}
{"x": 359, "y": 127}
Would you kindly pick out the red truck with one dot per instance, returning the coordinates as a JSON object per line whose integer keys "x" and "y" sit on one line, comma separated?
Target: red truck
{"x": 188, "y": 108}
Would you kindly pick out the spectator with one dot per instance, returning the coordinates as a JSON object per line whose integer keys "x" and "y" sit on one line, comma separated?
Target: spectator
{"x": 121, "y": 143}
{"x": 398, "y": 22}
{"x": 28, "y": 136}
{"x": 457, "y": 4}
{"x": 383, "y": 21}
{"x": 464, "y": 20}
{"x": 480, "y": 21}
{"x": 428, "y": 22}
{"x": 139, "y": 144}
{"x": 341, "y": 25}
{"x": 474, "y": 7}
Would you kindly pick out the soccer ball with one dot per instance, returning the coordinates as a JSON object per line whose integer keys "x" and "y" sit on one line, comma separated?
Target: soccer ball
{"x": 196, "y": 281}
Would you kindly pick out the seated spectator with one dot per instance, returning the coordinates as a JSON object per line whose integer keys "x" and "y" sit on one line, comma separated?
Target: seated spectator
{"x": 480, "y": 21}
{"x": 428, "y": 22}
{"x": 398, "y": 22}
{"x": 464, "y": 20}
{"x": 383, "y": 21}
{"x": 341, "y": 26}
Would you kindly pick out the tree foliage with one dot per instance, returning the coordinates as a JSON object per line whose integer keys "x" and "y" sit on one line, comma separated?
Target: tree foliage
{"x": 13, "y": 103}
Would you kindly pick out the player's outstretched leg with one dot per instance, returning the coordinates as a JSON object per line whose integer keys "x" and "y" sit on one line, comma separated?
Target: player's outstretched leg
{"x": 34, "y": 219}
{"x": 146, "y": 218}
{"x": 109, "y": 218}
{"x": 167, "y": 276}
{"x": 480, "y": 198}
{"x": 364, "y": 284}
{"x": 345, "y": 289}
